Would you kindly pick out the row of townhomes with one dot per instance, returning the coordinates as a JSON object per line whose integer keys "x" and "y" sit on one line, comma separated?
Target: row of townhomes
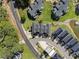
{"x": 65, "y": 39}
{"x": 61, "y": 37}
{"x": 49, "y": 43}
{"x": 50, "y": 28}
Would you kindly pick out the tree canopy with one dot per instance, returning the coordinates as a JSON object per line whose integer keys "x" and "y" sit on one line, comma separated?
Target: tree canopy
{"x": 3, "y": 13}
{"x": 9, "y": 41}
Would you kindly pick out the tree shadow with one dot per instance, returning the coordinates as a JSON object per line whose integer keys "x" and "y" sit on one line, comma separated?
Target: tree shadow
{"x": 23, "y": 4}
{"x": 30, "y": 17}
{"x": 77, "y": 9}
{"x": 23, "y": 19}
{"x": 77, "y": 12}
{"x": 55, "y": 18}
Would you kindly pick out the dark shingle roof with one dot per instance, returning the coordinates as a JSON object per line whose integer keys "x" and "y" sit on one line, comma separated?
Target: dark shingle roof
{"x": 33, "y": 8}
{"x": 57, "y": 32}
{"x": 57, "y": 6}
{"x": 57, "y": 57}
{"x": 58, "y": 13}
{"x": 77, "y": 9}
{"x": 54, "y": 10}
{"x": 75, "y": 54}
{"x": 77, "y": 6}
{"x": 71, "y": 42}
{"x": 34, "y": 28}
{"x": 63, "y": 34}
{"x": 40, "y": 28}
{"x": 67, "y": 38}
{"x": 64, "y": 1}
{"x": 60, "y": 8}
{"x": 75, "y": 47}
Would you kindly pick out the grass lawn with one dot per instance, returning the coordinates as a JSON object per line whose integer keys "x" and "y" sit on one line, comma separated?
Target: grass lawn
{"x": 27, "y": 22}
{"x": 55, "y": 27}
{"x": 27, "y": 54}
{"x": 46, "y": 13}
{"x": 45, "y": 16}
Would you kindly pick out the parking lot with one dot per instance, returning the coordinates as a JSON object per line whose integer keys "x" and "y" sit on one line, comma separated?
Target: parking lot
{"x": 58, "y": 47}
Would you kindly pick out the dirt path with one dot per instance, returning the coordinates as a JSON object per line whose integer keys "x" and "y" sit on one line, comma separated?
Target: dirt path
{"x": 10, "y": 16}
{"x": 72, "y": 30}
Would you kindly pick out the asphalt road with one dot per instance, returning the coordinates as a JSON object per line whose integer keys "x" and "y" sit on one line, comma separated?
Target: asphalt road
{"x": 11, "y": 4}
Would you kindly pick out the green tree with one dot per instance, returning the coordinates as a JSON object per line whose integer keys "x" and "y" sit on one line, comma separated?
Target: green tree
{"x": 5, "y": 53}
{"x": 17, "y": 48}
{"x": 9, "y": 42}
{"x": 3, "y": 13}
{"x": 1, "y": 2}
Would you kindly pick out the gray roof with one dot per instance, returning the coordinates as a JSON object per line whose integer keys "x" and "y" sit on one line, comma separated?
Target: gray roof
{"x": 60, "y": 8}
{"x": 63, "y": 34}
{"x": 71, "y": 42}
{"x": 54, "y": 10}
{"x": 58, "y": 31}
{"x": 64, "y": 1}
{"x": 75, "y": 47}
{"x": 65, "y": 8}
{"x": 67, "y": 38}
{"x": 59, "y": 13}
{"x": 45, "y": 29}
{"x": 77, "y": 7}
{"x": 32, "y": 12}
{"x": 57, "y": 6}
{"x": 40, "y": 28}
{"x": 34, "y": 28}
{"x": 39, "y": 1}
{"x": 37, "y": 28}
{"x": 57, "y": 39}
{"x": 75, "y": 53}
{"x": 56, "y": 56}
{"x": 33, "y": 8}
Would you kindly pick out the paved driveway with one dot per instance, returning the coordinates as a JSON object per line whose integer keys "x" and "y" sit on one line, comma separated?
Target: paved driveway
{"x": 60, "y": 49}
